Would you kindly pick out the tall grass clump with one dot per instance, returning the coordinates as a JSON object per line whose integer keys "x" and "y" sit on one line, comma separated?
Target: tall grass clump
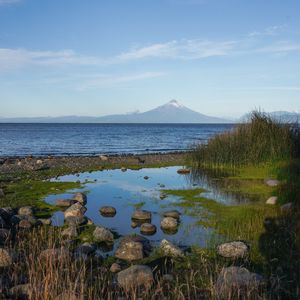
{"x": 260, "y": 140}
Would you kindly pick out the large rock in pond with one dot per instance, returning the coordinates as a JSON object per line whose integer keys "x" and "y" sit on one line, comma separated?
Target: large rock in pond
{"x": 80, "y": 197}
{"x": 135, "y": 276}
{"x": 141, "y": 215}
{"x": 133, "y": 248}
{"x": 102, "y": 234}
{"x": 235, "y": 249}
{"x": 237, "y": 283}
{"x": 168, "y": 223}
{"x": 169, "y": 249}
{"x": 6, "y": 257}
{"x": 75, "y": 210}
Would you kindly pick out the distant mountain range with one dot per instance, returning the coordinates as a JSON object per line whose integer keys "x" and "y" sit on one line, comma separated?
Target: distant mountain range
{"x": 171, "y": 112}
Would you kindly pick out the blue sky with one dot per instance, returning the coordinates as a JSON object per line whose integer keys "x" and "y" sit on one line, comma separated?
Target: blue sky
{"x": 219, "y": 57}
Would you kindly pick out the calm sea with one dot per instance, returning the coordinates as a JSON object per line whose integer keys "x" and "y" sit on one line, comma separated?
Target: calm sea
{"x": 93, "y": 139}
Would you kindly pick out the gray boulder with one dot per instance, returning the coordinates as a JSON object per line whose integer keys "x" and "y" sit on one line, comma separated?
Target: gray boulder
{"x": 75, "y": 210}
{"x": 102, "y": 234}
{"x": 141, "y": 215}
{"x": 237, "y": 283}
{"x": 170, "y": 249}
{"x": 80, "y": 197}
{"x": 135, "y": 276}
{"x": 235, "y": 249}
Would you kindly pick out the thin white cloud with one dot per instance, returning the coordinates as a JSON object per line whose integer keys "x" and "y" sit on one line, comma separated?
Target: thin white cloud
{"x": 7, "y": 2}
{"x": 280, "y": 47}
{"x": 101, "y": 81}
{"x": 269, "y": 31}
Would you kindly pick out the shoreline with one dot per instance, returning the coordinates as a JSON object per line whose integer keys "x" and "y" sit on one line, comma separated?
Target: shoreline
{"x": 88, "y": 162}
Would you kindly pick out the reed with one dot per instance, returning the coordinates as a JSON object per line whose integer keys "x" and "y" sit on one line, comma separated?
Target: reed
{"x": 260, "y": 140}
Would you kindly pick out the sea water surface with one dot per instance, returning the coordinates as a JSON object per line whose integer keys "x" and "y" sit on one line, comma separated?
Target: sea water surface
{"x": 93, "y": 139}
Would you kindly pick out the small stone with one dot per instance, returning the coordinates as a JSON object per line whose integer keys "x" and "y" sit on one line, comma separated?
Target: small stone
{"x": 76, "y": 221}
{"x": 25, "y": 211}
{"x": 170, "y": 249}
{"x": 146, "y": 177}
{"x": 286, "y": 208}
{"x": 148, "y": 229}
{"x": 272, "y": 182}
{"x": 70, "y": 232}
{"x": 65, "y": 202}
{"x": 134, "y": 224}
{"x": 45, "y": 221}
{"x": 115, "y": 268}
{"x": 235, "y": 249}
{"x": 272, "y": 200}
{"x": 80, "y": 197}
{"x": 162, "y": 196}
{"x": 168, "y": 223}
{"x": 108, "y": 211}
{"x": 103, "y": 157}
{"x": 123, "y": 169}
{"x": 184, "y": 171}
{"x": 39, "y": 162}
{"x": 102, "y": 234}
{"x": 6, "y": 258}
{"x": 135, "y": 276}
{"x": 173, "y": 214}
{"x": 142, "y": 215}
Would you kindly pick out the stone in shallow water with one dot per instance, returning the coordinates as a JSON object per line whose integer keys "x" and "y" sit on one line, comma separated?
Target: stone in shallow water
{"x": 170, "y": 249}
{"x": 75, "y": 210}
{"x": 102, "y": 234}
{"x": 135, "y": 276}
{"x": 168, "y": 223}
{"x": 237, "y": 283}
{"x": 235, "y": 249}
{"x": 148, "y": 229}
{"x": 141, "y": 215}
{"x": 183, "y": 171}
{"x": 108, "y": 211}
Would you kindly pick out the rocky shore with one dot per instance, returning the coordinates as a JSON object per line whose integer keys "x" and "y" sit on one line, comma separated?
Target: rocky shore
{"x": 74, "y": 163}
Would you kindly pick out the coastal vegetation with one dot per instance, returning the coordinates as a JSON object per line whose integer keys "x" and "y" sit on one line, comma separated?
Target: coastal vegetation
{"x": 258, "y": 160}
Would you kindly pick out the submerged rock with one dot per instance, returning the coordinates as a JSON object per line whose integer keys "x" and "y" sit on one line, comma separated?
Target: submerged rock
{"x": 235, "y": 249}
{"x": 272, "y": 200}
{"x": 102, "y": 234}
{"x": 168, "y": 223}
{"x": 170, "y": 249}
{"x": 135, "y": 276}
{"x": 237, "y": 283}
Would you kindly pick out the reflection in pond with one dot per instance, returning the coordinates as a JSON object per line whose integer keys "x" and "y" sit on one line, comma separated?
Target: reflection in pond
{"x": 127, "y": 191}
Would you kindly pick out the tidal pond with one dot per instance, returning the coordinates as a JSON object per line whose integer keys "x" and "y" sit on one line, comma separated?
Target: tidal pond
{"x": 128, "y": 190}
